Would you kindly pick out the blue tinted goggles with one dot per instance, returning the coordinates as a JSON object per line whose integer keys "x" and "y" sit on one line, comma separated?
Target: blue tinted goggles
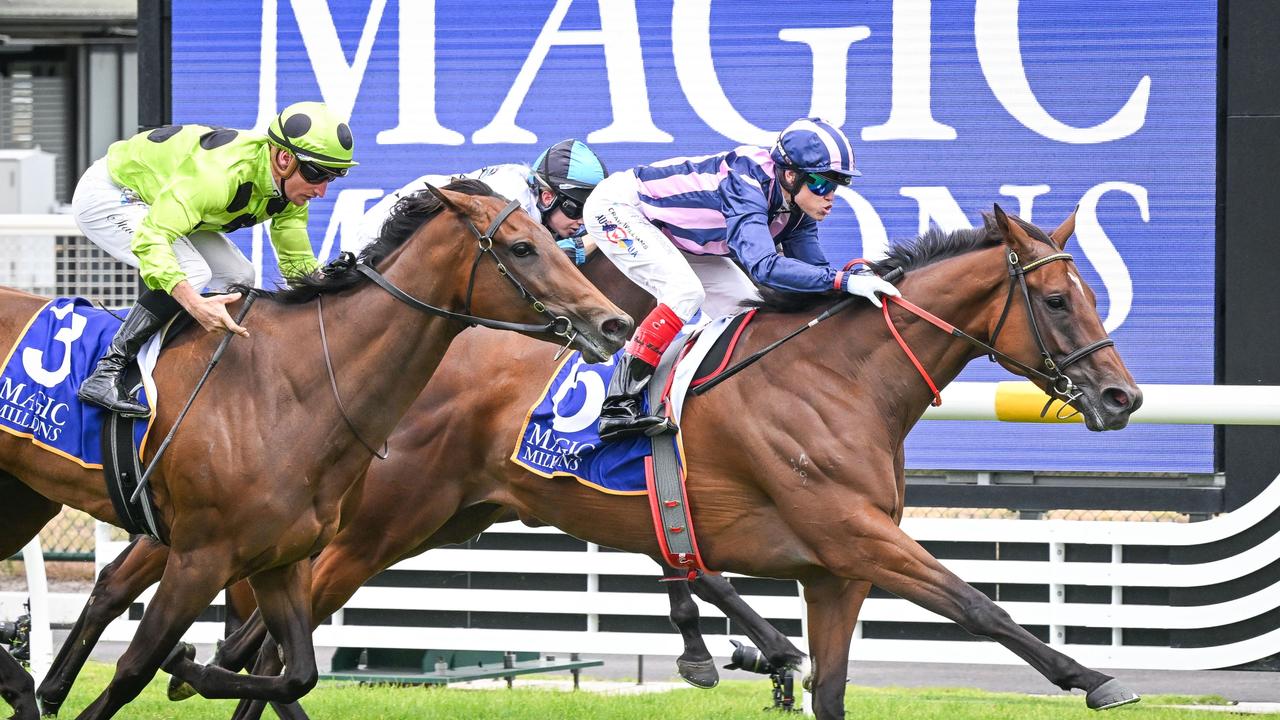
{"x": 820, "y": 185}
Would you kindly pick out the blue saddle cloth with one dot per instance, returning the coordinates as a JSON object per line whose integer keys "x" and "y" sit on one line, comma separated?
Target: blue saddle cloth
{"x": 559, "y": 436}
{"x": 44, "y": 368}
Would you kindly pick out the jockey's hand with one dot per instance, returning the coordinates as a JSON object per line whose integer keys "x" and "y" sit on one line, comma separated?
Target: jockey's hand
{"x": 210, "y": 312}
{"x": 868, "y": 286}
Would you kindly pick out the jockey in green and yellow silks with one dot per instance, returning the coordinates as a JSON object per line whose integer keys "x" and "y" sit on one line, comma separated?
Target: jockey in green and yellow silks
{"x": 162, "y": 201}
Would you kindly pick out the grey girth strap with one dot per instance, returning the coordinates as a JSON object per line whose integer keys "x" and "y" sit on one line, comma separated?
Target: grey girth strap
{"x": 666, "y": 485}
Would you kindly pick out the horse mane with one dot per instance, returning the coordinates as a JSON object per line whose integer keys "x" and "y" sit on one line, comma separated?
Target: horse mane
{"x": 409, "y": 214}
{"x": 931, "y": 247}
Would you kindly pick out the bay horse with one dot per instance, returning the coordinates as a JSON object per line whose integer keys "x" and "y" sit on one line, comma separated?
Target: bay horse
{"x": 256, "y": 488}
{"x": 843, "y": 387}
{"x": 811, "y": 486}
{"x": 398, "y": 501}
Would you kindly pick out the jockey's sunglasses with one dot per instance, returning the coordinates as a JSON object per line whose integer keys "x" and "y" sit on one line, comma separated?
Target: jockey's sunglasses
{"x": 316, "y": 174}
{"x": 820, "y": 185}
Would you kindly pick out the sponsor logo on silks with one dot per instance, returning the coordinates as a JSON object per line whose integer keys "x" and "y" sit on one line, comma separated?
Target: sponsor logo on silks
{"x": 619, "y": 237}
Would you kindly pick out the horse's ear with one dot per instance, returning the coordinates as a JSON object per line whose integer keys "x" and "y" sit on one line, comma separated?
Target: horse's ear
{"x": 1064, "y": 231}
{"x": 1012, "y": 234}
{"x": 443, "y": 197}
{"x": 989, "y": 224}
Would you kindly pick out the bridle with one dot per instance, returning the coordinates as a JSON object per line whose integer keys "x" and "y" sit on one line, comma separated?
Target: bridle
{"x": 557, "y": 324}
{"x": 1060, "y": 386}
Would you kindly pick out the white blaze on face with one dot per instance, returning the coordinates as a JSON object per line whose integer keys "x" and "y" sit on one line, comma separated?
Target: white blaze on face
{"x": 1075, "y": 279}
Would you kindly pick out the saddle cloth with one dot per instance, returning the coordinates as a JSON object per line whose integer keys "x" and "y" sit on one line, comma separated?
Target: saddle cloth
{"x": 59, "y": 347}
{"x": 559, "y": 436}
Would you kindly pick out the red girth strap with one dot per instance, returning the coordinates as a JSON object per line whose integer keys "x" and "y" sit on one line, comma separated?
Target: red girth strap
{"x": 654, "y": 335}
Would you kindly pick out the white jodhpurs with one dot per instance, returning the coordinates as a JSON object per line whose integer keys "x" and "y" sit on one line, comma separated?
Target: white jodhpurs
{"x": 109, "y": 215}
{"x": 681, "y": 281}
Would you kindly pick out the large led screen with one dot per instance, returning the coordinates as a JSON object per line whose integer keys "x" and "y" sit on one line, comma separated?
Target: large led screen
{"x": 952, "y": 105}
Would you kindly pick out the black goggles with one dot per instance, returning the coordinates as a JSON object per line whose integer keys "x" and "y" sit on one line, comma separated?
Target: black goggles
{"x": 571, "y": 208}
{"x": 316, "y": 174}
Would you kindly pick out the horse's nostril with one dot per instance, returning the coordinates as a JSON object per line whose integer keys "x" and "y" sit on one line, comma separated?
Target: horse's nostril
{"x": 1117, "y": 397}
{"x": 616, "y": 327}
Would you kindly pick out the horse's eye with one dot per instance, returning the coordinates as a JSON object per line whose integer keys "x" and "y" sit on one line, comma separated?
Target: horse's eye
{"x": 522, "y": 249}
{"x": 1055, "y": 302}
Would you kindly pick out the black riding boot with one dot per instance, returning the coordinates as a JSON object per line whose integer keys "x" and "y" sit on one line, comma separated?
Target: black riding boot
{"x": 620, "y": 415}
{"x": 103, "y": 387}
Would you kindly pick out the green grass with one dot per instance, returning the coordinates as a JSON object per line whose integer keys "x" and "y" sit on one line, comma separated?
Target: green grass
{"x": 733, "y": 700}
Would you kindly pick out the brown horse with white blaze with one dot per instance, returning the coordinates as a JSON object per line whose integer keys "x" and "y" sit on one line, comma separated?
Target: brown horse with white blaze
{"x": 837, "y": 401}
{"x": 253, "y": 482}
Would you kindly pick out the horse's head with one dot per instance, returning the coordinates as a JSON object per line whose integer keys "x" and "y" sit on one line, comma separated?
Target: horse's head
{"x": 1062, "y": 337}
{"x": 526, "y": 278}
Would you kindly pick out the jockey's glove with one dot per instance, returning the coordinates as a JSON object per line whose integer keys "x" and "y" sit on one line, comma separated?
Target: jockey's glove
{"x": 868, "y": 286}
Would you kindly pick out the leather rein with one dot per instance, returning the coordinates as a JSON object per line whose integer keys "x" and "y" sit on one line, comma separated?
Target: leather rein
{"x": 557, "y": 324}
{"x": 1060, "y": 386}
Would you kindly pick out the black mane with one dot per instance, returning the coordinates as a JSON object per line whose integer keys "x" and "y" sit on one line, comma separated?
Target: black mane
{"x": 409, "y": 213}
{"x": 931, "y": 247}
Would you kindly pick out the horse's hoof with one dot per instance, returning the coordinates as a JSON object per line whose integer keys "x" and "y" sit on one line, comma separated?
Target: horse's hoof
{"x": 48, "y": 710}
{"x": 180, "y": 690}
{"x": 699, "y": 673}
{"x": 1110, "y": 694}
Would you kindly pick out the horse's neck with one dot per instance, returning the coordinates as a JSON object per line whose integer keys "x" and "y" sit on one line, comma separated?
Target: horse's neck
{"x": 386, "y": 349}
{"x": 963, "y": 291}
{"x": 855, "y": 351}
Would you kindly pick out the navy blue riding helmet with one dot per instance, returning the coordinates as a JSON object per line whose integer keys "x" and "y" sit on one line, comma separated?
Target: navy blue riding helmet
{"x": 819, "y": 151}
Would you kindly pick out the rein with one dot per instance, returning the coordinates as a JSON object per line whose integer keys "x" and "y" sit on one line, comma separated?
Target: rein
{"x": 557, "y": 324}
{"x": 1060, "y": 386}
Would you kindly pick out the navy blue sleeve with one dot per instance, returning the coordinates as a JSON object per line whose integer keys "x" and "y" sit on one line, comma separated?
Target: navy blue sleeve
{"x": 746, "y": 216}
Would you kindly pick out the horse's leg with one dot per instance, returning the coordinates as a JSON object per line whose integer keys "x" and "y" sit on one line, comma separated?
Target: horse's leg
{"x": 353, "y": 557}
{"x": 239, "y": 606}
{"x": 891, "y": 560}
{"x": 284, "y": 599}
{"x": 190, "y": 582}
{"x": 695, "y": 664}
{"x": 26, "y": 511}
{"x": 833, "y": 605}
{"x": 135, "y": 569}
{"x": 716, "y": 590}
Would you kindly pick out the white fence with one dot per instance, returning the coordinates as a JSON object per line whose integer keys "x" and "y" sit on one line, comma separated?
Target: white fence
{"x": 593, "y": 608}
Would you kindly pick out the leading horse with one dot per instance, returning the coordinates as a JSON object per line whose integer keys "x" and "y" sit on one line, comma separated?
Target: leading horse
{"x": 289, "y": 422}
{"x": 795, "y": 468}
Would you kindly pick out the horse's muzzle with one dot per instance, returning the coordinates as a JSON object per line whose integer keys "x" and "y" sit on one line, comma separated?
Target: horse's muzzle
{"x": 1110, "y": 407}
{"x": 599, "y": 338}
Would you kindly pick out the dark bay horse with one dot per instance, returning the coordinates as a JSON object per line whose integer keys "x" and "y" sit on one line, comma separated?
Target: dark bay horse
{"x": 811, "y": 485}
{"x": 397, "y": 516}
{"x": 252, "y": 485}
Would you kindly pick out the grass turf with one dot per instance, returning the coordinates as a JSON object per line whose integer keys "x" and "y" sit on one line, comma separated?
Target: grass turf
{"x": 736, "y": 700}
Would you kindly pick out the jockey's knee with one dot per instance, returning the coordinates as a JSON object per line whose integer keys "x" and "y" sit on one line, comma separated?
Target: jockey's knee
{"x": 686, "y": 302}
{"x": 239, "y": 272}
